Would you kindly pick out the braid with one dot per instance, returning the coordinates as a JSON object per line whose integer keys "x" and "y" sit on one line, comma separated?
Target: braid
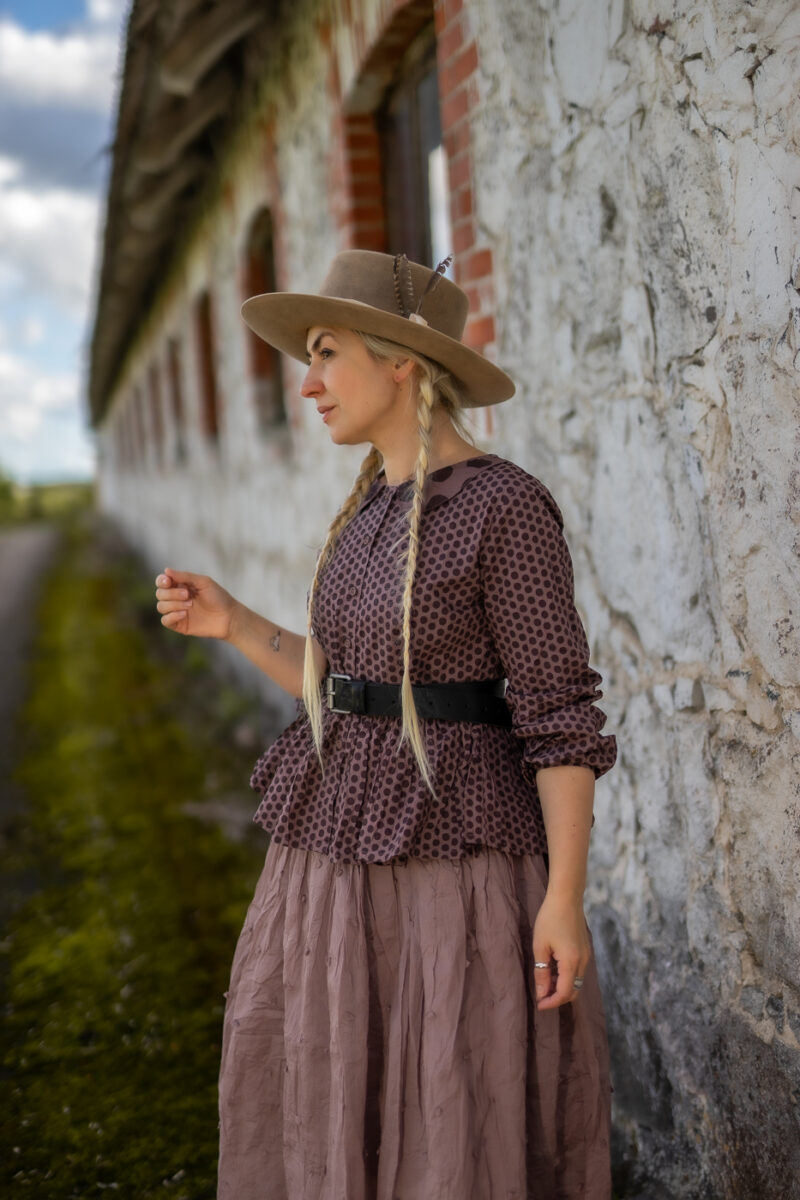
{"x": 411, "y": 729}
{"x": 311, "y": 697}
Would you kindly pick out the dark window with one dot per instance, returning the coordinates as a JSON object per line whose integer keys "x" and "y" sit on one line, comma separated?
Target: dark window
{"x": 174, "y": 369}
{"x": 156, "y": 415}
{"x": 126, "y": 439}
{"x": 119, "y": 449}
{"x": 265, "y": 366}
{"x": 414, "y": 165}
{"x": 141, "y": 431}
{"x": 207, "y": 367}
{"x": 131, "y": 432}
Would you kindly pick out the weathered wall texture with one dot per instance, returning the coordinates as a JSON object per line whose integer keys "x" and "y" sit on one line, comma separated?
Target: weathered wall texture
{"x": 637, "y": 178}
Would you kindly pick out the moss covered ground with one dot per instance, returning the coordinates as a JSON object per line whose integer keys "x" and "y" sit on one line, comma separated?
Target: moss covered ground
{"x": 128, "y": 904}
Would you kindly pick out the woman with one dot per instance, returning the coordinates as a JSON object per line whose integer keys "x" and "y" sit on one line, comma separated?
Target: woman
{"x": 413, "y": 1012}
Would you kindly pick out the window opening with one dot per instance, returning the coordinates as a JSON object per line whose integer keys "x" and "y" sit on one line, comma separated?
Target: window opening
{"x": 156, "y": 414}
{"x": 417, "y": 199}
{"x": 265, "y": 366}
{"x": 174, "y": 373}
{"x": 141, "y": 431}
{"x": 208, "y": 376}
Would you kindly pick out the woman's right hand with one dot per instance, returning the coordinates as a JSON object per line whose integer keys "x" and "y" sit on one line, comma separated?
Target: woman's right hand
{"x": 194, "y": 604}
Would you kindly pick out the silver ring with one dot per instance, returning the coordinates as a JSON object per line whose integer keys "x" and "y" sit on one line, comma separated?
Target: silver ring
{"x": 577, "y": 984}
{"x": 541, "y": 966}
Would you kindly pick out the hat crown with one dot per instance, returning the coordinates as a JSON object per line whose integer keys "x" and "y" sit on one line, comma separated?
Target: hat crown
{"x": 368, "y": 277}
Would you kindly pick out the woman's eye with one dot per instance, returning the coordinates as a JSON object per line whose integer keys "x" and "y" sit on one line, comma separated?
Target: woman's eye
{"x": 325, "y": 352}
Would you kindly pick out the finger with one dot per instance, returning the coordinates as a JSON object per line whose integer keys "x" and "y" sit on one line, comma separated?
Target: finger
{"x": 178, "y": 594}
{"x": 189, "y": 583}
{"x": 164, "y": 580}
{"x": 543, "y": 978}
{"x": 561, "y": 994}
{"x": 173, "y": 620}
{"x": 565, "y": 991}
{"x": 169, "y": 606}
{"x": 187, "y": 578}
{"x": 544, "y": 969}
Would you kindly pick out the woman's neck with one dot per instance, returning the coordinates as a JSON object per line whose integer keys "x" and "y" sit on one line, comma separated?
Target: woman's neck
{"x": 447, "y": 447}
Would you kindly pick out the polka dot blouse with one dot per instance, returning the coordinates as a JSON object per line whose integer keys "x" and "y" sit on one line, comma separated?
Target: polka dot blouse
{"x": 493, "y": 598}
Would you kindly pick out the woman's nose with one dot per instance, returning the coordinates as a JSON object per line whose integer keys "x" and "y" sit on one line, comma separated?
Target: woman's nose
{"x": 311, "y": 384}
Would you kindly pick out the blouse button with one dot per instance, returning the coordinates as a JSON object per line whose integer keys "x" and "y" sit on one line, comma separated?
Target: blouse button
{"x": 352, "y": 590}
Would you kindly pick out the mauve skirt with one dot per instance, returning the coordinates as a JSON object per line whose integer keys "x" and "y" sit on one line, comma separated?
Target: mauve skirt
{"x": 381, "y": 1040}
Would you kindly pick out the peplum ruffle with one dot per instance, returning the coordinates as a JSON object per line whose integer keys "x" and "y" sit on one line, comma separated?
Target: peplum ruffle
{"x": 370, "y": 804}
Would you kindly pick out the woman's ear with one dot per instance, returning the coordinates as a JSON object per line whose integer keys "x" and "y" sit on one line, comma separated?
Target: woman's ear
{"x": 403, "y": 369}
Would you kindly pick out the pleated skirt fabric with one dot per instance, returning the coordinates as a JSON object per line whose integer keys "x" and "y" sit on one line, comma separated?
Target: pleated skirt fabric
{"x": 381, "y": 1040}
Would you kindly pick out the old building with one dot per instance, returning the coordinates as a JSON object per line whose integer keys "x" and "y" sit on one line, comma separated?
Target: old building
{"x": 620, "y": 182}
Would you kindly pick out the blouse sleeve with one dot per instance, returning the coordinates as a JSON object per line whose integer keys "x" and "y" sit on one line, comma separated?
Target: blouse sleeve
{"x": 529, "y": 602}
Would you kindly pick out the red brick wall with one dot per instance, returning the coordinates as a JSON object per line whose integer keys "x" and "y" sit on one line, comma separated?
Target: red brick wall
{"x": 457, "y": 54}
{"x": 362, "y": 218}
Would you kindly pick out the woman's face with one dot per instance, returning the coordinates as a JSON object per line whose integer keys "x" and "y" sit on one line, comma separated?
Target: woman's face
{"x": 359, "y": 398}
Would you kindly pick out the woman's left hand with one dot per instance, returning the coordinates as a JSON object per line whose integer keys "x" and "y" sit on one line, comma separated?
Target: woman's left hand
{"x": 560, "y": 939}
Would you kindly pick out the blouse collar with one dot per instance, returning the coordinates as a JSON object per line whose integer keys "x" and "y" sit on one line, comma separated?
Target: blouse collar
{"x": 440, "y": 486}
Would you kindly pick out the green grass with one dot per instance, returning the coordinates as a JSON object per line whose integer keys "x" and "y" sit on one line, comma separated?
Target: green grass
{"x": 114, "y": 968}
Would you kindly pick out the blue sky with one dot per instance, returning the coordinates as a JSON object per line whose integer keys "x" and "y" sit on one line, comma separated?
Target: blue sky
{"x": 58, "y": 82}
{"x": 44, "y": 14}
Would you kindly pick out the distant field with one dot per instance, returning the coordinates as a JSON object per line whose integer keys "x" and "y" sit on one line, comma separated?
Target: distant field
{"x": 42, "y": 502}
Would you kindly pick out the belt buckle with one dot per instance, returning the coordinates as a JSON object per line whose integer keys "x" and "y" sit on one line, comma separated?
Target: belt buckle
{"x": 350, "y": 692}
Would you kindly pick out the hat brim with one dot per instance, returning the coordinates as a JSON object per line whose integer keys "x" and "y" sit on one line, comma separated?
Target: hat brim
{"x": 284, "y": 318}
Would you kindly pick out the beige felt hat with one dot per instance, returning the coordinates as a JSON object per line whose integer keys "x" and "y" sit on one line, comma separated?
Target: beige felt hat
{"x": 390, "y": 297}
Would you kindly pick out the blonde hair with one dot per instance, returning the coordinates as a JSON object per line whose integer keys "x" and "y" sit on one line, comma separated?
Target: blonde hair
{"x": 435, "y": 389}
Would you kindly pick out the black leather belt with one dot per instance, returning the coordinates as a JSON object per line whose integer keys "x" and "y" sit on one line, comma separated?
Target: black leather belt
{"x": 482, "y": 703}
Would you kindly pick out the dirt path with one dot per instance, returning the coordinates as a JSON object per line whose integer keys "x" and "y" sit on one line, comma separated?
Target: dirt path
{"x": 25, "y": 553}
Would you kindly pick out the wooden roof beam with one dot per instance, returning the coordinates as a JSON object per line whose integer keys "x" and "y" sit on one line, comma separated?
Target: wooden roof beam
{"x": 147, "y": 211}
{"x": 202, "y": 42}
{"x": 173, "y": 130}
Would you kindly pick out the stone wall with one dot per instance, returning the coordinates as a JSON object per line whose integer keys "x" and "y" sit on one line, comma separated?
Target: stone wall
{"x": 635, "y": 176}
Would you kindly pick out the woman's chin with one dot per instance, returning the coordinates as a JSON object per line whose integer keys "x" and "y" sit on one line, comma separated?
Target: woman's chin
{"x": 341, "y": 437}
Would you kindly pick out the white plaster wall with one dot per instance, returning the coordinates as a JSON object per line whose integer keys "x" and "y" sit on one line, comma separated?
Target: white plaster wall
{"x": 637, "y": 176}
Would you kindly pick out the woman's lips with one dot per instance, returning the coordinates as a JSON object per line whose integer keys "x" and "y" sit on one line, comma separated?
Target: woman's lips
{"x": 325, "y": 411}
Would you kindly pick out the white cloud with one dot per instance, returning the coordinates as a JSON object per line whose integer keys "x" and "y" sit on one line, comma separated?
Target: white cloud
{"x": 9, "y": 171}
{"x": 32, "y": 331}
{"x": 24, "y": 386}
{"x": 76, "y": 69}
{"x": 47, "y": 239}
{"x": 107, "y": 12}
{"x": 42, "y": 428}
